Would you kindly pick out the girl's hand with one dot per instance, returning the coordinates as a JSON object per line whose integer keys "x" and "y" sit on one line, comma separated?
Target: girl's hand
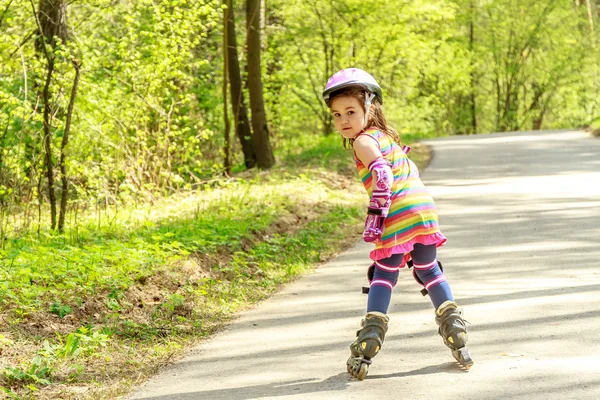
{"x": 374, "y": 223}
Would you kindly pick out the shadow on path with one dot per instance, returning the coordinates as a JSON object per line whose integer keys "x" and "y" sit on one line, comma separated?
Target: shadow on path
{"x": 334, "y": 383}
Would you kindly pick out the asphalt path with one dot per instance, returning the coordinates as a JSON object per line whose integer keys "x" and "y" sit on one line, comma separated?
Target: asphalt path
{"x": 522, "y": 215}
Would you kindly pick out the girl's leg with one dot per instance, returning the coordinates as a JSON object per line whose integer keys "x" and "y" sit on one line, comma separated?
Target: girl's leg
{"x": 452, "y": 326}
{"x": 385, "y": 277}
{"x": 427, "y": 269}
{"x": 371, "y": 335}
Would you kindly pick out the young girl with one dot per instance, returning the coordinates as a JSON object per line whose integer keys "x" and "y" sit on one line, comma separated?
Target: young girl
{"x": 401, "y": 218}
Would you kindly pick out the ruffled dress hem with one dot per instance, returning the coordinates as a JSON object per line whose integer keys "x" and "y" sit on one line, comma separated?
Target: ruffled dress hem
{"x": 405, "y": 248}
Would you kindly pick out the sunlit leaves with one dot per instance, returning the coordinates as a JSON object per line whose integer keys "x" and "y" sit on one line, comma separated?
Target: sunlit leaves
{"x": 148, "y": 114}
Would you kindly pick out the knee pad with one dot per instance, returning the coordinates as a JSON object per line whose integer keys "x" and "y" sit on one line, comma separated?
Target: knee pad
{"x": 371, "y": 272}
{"x": 382, "y": 271}
{"x": 428, "y": 275}
{"x": 385, "y": 277}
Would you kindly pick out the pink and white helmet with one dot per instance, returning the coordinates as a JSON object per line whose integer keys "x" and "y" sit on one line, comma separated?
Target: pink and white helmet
{"x": 352, "y": 77}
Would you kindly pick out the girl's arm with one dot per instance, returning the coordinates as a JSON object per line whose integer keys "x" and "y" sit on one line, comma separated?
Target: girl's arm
{"x": 367, "y": 151}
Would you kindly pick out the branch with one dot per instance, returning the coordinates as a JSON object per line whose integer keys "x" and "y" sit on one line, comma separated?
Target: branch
{"x": 318, "y": 14}
{"x": 382, "y": 49}
{"x": 308, "y": 69}
{"x": 65, "y": 142}
{"x": 341, "y": 14}
{"x": 4, "y": 12}
{"x": 535, "y": 99}
{"x": 590, "y": 14}
{"x": 323, "y": 35}
{"x": 77, "y": 66}
{"x": 553, "y": 88}
{"x": 305, "y": 100}
{"x": 39, "y": 25}
{"x": 23, "y": 43}
{"x": 494, "y": 45}
{"x": 543, "y": 15}
{"x": 24, "y": 77}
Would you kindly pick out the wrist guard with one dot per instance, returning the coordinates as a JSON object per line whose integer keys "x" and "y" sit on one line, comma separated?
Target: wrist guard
{"x": 380, "y": 200}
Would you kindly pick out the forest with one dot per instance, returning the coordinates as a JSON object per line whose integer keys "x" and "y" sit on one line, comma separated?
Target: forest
{"x": 121, "y": 101}
{"x": 164, "y": 164}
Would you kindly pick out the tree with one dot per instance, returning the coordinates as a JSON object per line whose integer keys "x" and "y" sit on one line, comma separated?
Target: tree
{"x": 264, "y": 152}
{"x": 326, "y": 31}
{"x": 532, "y": 55}
{"x": 590, "y": 14}
{"x": 65, "y": 141}
{"x": 52, "y": 27}
{"x": 240, "y": 113}
{"x": 472, "y": 95}
{"x": 226, "y": 147}
{"x": 51, "y": 21}
{"x": 148, "y": 120}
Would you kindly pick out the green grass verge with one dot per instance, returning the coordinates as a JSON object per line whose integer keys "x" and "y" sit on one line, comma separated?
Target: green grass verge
{"x": 121, "y": 293}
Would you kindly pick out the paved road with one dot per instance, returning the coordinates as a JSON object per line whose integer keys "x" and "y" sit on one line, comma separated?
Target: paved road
{"x": 522, "y": 216}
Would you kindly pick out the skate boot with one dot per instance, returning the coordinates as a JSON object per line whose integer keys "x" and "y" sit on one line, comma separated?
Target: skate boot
{"x": 367, "y": 344}
{"x": 452, "y": 328}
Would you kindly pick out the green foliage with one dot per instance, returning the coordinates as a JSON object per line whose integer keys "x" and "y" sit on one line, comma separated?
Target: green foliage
{"x": 145, "y": 113}
{"x": 531, "y": 59}
{"x": 594, "y": 127}
{"x": 60, "y": 310}
{"x": 148, "y": 119}
{"x": 104, "y": 255}
{"x": 197, "y": 258}
{"x": 528, "y": 65}
{"x": 408, "y": 46}
{"x": 82, "y": 343}
{"x": 4, "y": 341}
{"x": 36, "y": 372}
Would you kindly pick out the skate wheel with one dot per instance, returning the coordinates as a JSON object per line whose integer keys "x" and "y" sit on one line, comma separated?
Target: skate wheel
{"x": 362, "y": 372}
{"x": 349, "y": 368}
{"x": 357, "y": 368}
{"x": 463, "y": 357}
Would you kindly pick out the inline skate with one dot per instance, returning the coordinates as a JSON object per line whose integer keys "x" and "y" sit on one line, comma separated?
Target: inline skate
{"x": 367, "y": 344}
{"x": 453, "y": 329}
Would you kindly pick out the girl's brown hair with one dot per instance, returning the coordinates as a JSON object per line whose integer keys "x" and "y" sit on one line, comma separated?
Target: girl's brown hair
{"x": 375, "y": 118}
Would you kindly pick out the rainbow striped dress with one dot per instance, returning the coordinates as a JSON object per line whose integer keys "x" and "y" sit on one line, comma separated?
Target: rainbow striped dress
{"x": 412, "y": 216}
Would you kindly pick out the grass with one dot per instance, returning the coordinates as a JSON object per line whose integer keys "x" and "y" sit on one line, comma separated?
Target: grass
{"x": 90, "y": 313}
{"x": 594, "y": 127}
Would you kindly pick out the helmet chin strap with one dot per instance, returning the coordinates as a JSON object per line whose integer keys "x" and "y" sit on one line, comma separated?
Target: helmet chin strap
{"x": 368, "y": 99}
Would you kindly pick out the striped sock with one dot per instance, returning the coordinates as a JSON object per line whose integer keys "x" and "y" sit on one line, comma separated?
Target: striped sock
{"x": 435, "y": 282}
{"x": 385, "y": 277}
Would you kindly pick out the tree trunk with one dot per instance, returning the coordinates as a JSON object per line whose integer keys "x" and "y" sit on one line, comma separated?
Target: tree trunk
{"x": 590, "y": 14}
{"x": 263, "y": 25}
{"x": 52, "y": 17}
{"x": 65, "y": 142}
{"x": 240, "y": 113}
{"x": 48, "y": 141}
{"x": 51, "y": 20}
{"x": 537, "y": 122}
{"x": 227, "y": 161}
{"x": 473, "y": 85}
{"x": 264, "y": 152}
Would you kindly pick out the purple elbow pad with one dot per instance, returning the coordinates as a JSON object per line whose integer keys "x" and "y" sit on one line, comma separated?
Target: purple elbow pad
{"x": 380, "y": 200}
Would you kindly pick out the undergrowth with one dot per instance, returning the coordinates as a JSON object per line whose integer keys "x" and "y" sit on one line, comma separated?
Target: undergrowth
{"x": 89, "y": 313}
{"x": 594, "y": 127}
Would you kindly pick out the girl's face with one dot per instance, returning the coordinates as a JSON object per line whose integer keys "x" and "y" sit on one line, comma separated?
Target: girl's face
{"x": 348, "y": 116}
